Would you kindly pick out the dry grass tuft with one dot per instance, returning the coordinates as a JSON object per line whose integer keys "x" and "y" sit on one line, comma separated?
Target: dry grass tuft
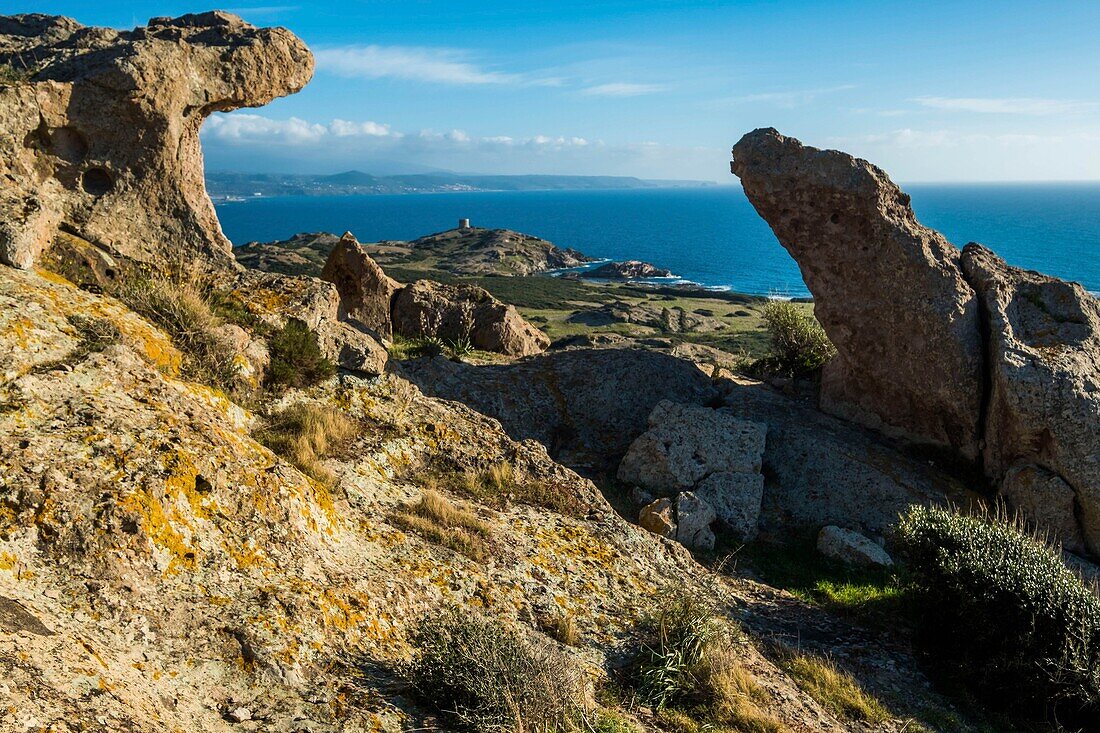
{"x": 563, "y": 627}
{"x": 500, "y": 483}
{"x": 834, "y": 689}
{"x": 438, "y": 520}
{"x": 305, "y": 433}
{"x": 183, "y": 311}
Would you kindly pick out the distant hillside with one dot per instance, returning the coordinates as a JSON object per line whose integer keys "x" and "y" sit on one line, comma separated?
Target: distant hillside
{"x": 243, "y": 185}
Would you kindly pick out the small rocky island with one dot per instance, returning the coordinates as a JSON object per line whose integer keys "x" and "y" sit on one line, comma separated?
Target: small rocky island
{"x": 628, "y": 270}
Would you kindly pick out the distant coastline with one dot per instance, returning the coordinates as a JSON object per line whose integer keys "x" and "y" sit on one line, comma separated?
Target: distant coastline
{"x": 239, "y": 187}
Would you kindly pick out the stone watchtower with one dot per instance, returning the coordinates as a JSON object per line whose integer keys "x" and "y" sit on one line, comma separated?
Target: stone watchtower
{"x": 463, "y": 223}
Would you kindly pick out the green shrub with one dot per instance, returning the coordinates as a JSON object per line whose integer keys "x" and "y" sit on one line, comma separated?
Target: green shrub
{"x": 1002, "y": 615}
{"x": 296, "y": 358}
{"x": 10, "y": 76}
{"x": 798, "y": 344}
{"x": 486, "y": 678}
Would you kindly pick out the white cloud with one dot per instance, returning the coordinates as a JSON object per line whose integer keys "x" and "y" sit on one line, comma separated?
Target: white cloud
{"x": 623, "y": 89}
{"x": 1008, "y": 105}
{"x": 413, "y": 63}
{"x": 791, "y": 98}
{"x": 243, "y": 128}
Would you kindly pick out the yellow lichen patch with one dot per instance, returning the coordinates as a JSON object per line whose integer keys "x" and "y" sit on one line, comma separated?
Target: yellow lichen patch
{"x": 561, "y": 549}
{"x": 158, "y": 524}
{"x": 7, "y": 560}
{"x": 183, "y": 481}
{"x": 246, "y": 554}
{"x": 52, "y": 277}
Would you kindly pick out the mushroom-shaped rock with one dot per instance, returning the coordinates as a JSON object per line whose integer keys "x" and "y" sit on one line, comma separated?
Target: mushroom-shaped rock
{"x": 1044, "y": 365}
{"x": 101, "y": 138}
{"x": 889, "y": 292}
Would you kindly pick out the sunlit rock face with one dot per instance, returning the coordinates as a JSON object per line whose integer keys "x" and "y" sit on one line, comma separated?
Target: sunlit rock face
{"x": 99, "y": 129}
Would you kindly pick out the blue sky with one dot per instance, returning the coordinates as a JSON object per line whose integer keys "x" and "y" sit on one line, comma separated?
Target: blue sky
{"x": 931, "y": 91}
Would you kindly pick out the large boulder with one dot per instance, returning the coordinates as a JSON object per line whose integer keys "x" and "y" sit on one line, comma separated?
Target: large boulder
{"x": 366, "y": 292}
{"x": 820, "y": 470}
{"x": 851, "y": 548}
{"x": 1044, "y": 366}
{"x": 456, "y": 312}
{"x": 585, "y": 405}
{"x": 889, "y": 292}
{"x": 686, "y": 443}
{"x": 102, "y": 137}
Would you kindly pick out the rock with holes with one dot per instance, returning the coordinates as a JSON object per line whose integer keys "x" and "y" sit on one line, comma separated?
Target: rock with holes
{"x": 889, "y": 292}
{"x": 465, "y": 312}
{"x": 851, "y": 548}
{"x": 1044, "y": 352}
{"x": 366, "y": 292}
{"x": 99, "y": 129}
{"x": 686, "y": 443}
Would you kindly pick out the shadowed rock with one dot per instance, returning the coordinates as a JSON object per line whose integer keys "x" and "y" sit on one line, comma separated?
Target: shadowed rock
{"x": 889, "y": 292}
{"x": 1044, "y": 363}
{"x": 366, "y": 292}
{"x": 101, "y": 138}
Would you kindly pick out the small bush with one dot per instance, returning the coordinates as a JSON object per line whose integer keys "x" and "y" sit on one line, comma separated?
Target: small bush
{"x": 687, "y": 669}
{"x": 486, "y": 678}
{"x": 11, "y": 76}
{"x": 296, "y": 358}
{"x": 835, "y": 690}
{"x": 304, "y": 433}
{"x": 182, "y": 310}
{"x": 437, "y": 520}
{"x": 95, "y": 334}
{"x": 563, "y": 627}
{"x": 1002, "y": 615}
{"x": 798, "y": 344}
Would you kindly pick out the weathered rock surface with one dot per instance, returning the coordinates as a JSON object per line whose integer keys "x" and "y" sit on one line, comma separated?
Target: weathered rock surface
{"x": 628, "y": 270}
{"x": 455, "y": 312}
{"x": 673, "y": 320}
{"x": 1045, "y": 503}
{"x": 275, "y": 298}
{"x": 366, "y": 292}
{"x": 693, "y": 519}
{"x": 889, "y": 292}
{"x": 102, "y": 139}
{"x": 1044, "y": 363}
{"x": 685, "y": 443}
{"x": 736, "y": 499}
{"x": 585, "y": 405}
{"x": 658, "y": 517}
{"x": 820, "y": 470}
{"x": 851, "y": 547}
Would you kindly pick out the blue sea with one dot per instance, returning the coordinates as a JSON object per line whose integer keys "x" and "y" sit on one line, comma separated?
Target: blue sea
{"x": 711, "y": 236}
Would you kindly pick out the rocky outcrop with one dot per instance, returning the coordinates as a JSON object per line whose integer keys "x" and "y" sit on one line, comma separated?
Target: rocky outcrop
{"x": 1044, "y": 366}
{"x": 628, "y": 270}
{"x": 275, "y": 298}
{"x": 366, "y": 292}
{"x": 478, "y": 251}
{"x": 585, "y": 405}
{"x": 889, "y": 292}
{"x": 102, "y": 138}
{"x": 457, "y": 312}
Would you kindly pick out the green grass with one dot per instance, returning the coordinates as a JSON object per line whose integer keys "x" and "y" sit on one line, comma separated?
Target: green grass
{"x": 873, "y": 595}
{"x": 836, "y": 690}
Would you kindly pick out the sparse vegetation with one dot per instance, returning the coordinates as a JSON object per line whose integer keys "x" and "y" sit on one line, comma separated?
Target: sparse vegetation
{"x": 688, "y": 670}
{"x": 563, "y": 627}
{"x": 499, "y": 483}
{"x": 438, "y": 520}
{"x": 1001, "y": 615}
{"x": 296, "y": 358}
{"x": 11, "y": 76}
{"x": 834, "y": 689}
{"x": 797, "y": 342}
{"x": 304, "y": 433}
{"x": 486, "y": 678}
{"x": 183, "y": 311}
{"x": 95, "y": 334}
